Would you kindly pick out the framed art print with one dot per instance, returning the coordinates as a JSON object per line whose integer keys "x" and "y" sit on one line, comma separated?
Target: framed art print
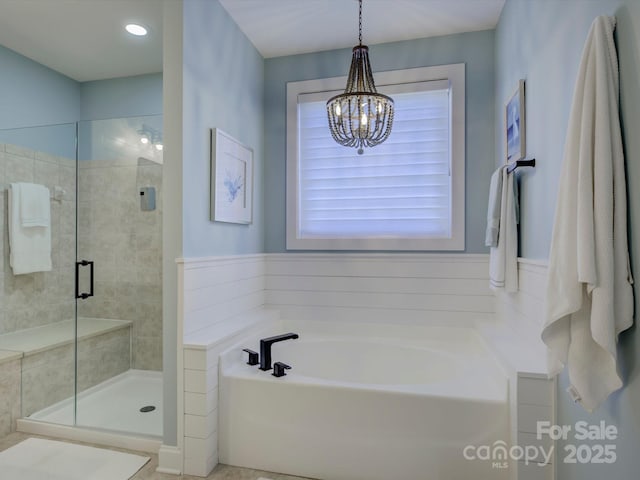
{"x": 515, "y": 125}
{"x": 231, "y": 179}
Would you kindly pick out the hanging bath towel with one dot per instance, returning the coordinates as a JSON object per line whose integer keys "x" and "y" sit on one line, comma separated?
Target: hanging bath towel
{"x": 493, "y": 208}
{"x": 589, "y": 293}
{"x": 503, "y": 258}
{"x": 29, "y": 228}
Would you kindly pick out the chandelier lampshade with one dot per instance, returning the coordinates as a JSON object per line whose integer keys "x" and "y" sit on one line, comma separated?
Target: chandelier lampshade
{"x": 360, "y": 117}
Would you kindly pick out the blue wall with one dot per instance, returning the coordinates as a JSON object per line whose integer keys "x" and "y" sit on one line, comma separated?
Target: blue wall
{"x": 124, "y": 102}
{"x": 32, "y": 94}
{"x": 542, "y": 41}
{"x": 57, "y": 139}
{"x": 121, "y": 97}
{"x": 222, "y": 87}
{"x": 476, "y": 50}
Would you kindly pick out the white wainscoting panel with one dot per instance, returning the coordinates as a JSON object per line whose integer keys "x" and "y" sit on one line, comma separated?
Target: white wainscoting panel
{"x": 407, "y": 288}
{"x": 220, "y": 298}
{"x": 520, "y": 320}
{"x": 515, "y": 338}
{"x": 218, "y": 288}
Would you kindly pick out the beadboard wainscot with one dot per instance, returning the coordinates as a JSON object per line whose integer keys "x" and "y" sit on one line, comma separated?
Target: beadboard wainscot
{"x": 516, "y": 340}
{"x": 420, "y": 288}
{"x": 221, "y": 299}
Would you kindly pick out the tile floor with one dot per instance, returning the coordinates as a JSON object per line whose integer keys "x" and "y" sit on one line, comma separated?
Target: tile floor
{"x": 221, "y": 472}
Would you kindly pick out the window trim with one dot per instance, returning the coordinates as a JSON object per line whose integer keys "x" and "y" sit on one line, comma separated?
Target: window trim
{"x": 455, "y": 74}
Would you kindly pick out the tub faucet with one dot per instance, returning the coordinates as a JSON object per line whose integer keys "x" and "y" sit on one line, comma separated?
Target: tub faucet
{"x": 265, "y": 348}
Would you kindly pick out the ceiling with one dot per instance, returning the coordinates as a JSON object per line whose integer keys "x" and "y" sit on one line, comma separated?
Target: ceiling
{"x": 303, "y": 26}
{"x": 85, "y": 39}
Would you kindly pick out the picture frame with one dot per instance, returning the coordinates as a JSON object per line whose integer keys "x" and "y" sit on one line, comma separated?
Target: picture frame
{"x": 231, "y": 179}
{"x": 514, "y": 125}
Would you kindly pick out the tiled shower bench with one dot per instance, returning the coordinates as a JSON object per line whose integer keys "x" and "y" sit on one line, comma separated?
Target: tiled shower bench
{"x": 37, "y": 365}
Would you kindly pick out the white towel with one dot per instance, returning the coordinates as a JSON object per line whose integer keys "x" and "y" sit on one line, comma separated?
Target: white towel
{"x": 35, "y": 207}
{"x": 493, "y": 209}
{"x": 30, "y": 247}
{"x": 589, "y": 293}
{"x": 503, "y": 259}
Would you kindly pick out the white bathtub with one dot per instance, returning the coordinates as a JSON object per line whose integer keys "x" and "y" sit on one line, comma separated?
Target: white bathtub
{"x": 397, "y": 403}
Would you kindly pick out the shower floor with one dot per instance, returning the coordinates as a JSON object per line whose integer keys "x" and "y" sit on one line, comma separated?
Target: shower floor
{"x": 114, "y": 405}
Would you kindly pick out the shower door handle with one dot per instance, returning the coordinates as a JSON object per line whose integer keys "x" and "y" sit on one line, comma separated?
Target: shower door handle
{"x": 84, "y": 263}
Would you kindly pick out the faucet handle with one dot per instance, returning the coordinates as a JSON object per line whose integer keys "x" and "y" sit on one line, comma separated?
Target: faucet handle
{"x": 253, "y": 357}
{"x": 279, "y": 369}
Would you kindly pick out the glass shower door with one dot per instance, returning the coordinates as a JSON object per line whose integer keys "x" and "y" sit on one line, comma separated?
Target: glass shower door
{"x": 88, "y": 328}
{"x": 37, "y": 309}
{"x": 119, "y": 317}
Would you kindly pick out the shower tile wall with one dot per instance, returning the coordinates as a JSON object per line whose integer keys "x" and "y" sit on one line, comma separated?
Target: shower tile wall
{"x": 37, "y": 299}
{"x": 125, "y": 244}
{"x": 9, "y": 395}
{"x": 41, "y": 298}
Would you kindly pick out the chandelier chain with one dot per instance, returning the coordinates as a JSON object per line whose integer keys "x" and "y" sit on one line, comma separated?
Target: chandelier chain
{"x": 360, "y": 23}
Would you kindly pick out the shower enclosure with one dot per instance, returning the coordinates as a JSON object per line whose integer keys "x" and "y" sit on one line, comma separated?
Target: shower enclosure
{"x": 88, "y": 332}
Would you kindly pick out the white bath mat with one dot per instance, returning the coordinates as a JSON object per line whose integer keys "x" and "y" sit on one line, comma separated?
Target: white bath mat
{"x": 39, "y": 459}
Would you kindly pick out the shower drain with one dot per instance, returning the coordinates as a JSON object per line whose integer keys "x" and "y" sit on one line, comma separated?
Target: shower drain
{"x": 148, "y": 408}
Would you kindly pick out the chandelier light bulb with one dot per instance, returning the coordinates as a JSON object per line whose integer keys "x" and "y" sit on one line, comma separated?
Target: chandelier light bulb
{"x": 144, "y": 140}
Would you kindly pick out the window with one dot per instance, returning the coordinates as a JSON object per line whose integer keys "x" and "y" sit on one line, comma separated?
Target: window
{"x": 405, "y": 194}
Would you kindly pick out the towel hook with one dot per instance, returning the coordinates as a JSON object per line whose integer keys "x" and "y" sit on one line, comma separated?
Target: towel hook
{"x": 58, "y": 193}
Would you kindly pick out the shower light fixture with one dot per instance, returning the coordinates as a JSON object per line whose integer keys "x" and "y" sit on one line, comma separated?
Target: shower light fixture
{"x": 360, "y": 117}
{"x": 150, "y": 136}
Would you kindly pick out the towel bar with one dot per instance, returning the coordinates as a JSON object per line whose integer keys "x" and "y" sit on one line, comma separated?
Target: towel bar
{"x": 521, "y": 163}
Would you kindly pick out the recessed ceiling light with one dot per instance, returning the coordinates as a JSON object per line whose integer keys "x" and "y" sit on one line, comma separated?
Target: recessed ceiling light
{"x": 135, "y": 29}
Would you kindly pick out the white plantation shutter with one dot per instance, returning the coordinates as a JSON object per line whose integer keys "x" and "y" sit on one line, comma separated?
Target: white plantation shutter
{"x": 405, "y": 194}
{"x": 400, "y": 188}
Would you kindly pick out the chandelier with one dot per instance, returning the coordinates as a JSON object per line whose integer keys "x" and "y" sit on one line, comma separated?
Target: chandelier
{"x": 360, "y": 117}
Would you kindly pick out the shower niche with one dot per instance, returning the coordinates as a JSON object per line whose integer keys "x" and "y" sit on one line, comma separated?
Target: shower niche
{"x": 84, "y": 339}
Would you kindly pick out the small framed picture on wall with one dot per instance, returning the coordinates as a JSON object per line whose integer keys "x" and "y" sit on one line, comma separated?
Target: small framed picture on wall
{"x": 514, "y": 125}
{"x": 231, "y": 179}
